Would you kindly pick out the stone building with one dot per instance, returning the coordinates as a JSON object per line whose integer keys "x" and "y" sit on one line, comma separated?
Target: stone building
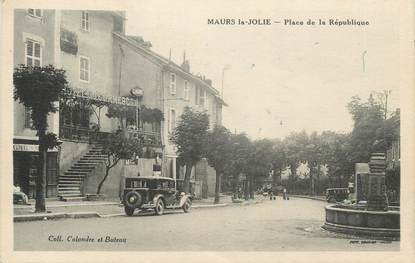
{"x": 105, "y": 65}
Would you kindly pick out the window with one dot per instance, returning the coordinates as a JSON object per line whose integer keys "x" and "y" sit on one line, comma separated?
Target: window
{"x": 84, "y": 69}
{"x": 28, "y": 122}
{"x": 172, "y": 84}
{"x": 202, "y": 97}
{"x": 206, "y": 102}
{"x": 33, "y": 53}
{"x": 186, "y": 90}
{"x": 35, "y": 12}
{"x": 172, "y": 120}
{"x": 85, "y": 21}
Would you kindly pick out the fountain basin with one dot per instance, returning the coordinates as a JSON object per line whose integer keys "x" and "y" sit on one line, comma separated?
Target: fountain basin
{"x": 355, "y": 220}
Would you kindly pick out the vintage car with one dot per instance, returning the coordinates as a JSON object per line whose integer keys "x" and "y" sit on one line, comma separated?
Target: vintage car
{"x": 156, "y": 193}
{"x": 336, "y": 194}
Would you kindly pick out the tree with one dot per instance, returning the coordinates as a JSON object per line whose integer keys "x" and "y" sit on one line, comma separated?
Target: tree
{"x": 336, "y": 151}
{"x": 279, "y": 159}
{"x": 38, "y": 89}
{"x": 190, "y": 136}
{"x": 218, "y": 154}
{"x": 117, "y": 146}
{"x": 368, "y": 119}
{"x": 241, "y": 147}
{"x": 260, "y": 161}
{"x": 295, "y": 144}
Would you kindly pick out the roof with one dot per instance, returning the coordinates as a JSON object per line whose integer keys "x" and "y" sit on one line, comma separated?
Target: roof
{"x": 168, "y": 64}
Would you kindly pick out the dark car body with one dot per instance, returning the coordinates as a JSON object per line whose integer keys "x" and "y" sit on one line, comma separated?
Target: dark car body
{"x": 156, "y": 193}
{"x": 336, "y": 194}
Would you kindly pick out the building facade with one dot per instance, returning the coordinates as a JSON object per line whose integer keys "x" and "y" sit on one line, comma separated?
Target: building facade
{"x": 105, "y": 68}
{"x": 170, "y": 87}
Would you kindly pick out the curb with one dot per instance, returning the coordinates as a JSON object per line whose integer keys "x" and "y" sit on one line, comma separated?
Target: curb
{"x": 74, "y": 215}
{"x": 69, "y": 205}
{"x": 49, "y": 216}
{"x": 309, "y": 197}
{"x": 209, "y": 206}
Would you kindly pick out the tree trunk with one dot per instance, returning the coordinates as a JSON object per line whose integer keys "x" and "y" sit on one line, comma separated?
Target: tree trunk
{"x": 186, "y": 181}
{"x": 251, "y": 187}
{"x": 246, "y": 189}
{"x": 107, "y": 169}
{"x": 293, "y": 171}
{"x": 311, "y": 181}
{"x": 217, "y": 186}
{"x": 318, "y": 180}
{"x": 40, "y": 205}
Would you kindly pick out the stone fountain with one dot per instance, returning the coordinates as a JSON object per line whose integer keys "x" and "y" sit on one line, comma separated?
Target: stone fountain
{"x": 370, "y": 216}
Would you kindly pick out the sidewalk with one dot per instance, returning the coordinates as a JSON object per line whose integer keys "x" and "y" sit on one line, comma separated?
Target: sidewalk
{"x": 85, "y": 209}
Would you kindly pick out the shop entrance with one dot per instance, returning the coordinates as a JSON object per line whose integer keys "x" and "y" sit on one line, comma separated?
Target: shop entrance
{"x": 25, "y": 170}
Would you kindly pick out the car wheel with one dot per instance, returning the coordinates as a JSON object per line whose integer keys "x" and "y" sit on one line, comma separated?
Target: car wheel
{"x": 187, "y": 205}
{"x": 129, "y": 211}
{"x": 159, "y": 209}
{"x": 133, "y": 199}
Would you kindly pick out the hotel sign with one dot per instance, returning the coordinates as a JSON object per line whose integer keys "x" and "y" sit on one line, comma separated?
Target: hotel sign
{"x": 104, "y": 98}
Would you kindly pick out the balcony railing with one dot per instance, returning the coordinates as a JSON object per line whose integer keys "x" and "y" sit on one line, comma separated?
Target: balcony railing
{"x": 152, "y": 139}
{"x": 74, "y": 133}
{"x": 82, "y": 134}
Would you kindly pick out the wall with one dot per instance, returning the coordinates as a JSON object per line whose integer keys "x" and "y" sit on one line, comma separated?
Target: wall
{"x": 70, "y": 153}
{"x": 137, "y": 69}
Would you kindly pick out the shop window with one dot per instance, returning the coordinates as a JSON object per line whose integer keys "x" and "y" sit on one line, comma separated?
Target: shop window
{"x": 33, "y": 53}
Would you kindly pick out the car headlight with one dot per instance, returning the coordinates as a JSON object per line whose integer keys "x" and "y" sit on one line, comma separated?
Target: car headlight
{"x": 132, "y": 199}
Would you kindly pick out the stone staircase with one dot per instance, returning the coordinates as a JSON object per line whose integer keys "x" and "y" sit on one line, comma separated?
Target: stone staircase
{"x": 69, "y": 187}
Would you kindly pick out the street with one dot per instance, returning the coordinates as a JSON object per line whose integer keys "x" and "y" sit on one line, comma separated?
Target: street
{"x": 268, "y": 226}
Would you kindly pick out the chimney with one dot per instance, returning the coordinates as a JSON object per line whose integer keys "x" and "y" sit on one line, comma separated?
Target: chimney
{"x": 185, "y": 65}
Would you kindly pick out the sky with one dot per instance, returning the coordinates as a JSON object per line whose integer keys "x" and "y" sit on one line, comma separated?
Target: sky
{"x": 282, "y": 78}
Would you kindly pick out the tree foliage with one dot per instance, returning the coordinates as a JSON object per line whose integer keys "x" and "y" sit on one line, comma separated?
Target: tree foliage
{"x": 39, "y": 89}
{"x": 218, "y": 152}
{"x": 190, "y": 136}
{"x": 368, "y": 119}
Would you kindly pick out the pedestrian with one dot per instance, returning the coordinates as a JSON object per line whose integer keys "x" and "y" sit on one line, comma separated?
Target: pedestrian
{"x": 284, "y": 193}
